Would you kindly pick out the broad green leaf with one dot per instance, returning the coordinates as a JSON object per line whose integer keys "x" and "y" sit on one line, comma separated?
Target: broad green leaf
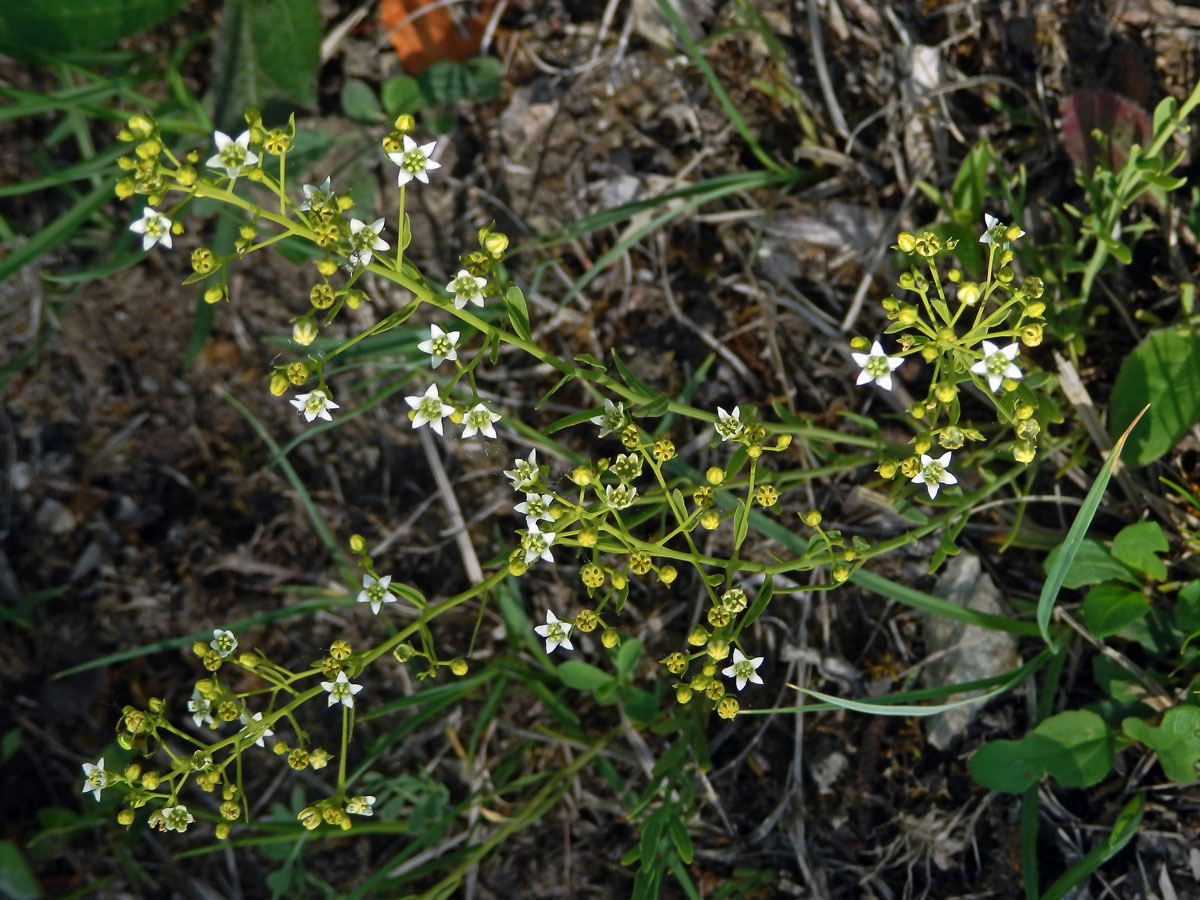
{"x": 1136, "y": 546}
{"x": 359, "y": 102}
{"x": 1092, "y": 564}
{"x": 288, "y": 35}
{"x": 1177, "y": 741}
{"x": 17, "y": 881}
{"x": 583, "y": 676}
{"x": 486, "y": 77}
{"x": 1114, "y": 680}
{"x": 1075, "y": 748}
{"x": 1109, "y": 607}
{"x": 445, "y": 82}
{"x": 62, "y": 26}
{"x": 641, "y": 706}
{"x": 1187, "y": 608}
{"x": 1164, "y": 371}
{"x": 402, "y": 95}
{"x": 627, "y": 657}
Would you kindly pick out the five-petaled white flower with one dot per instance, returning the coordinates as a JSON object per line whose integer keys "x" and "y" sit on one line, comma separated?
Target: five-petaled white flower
{"x": 620, "y": 496}
{"x": 375, "y": 591}
{"x": 743, "y": 669}
{"x": 556, "y": 632}
{"x": 176, "y": 818}
{"x": 994, "y": 232}
{"x": 414, "y": 161}
{"x": 429, "y": 408}
{"x": 365, "y": 241}
{"x": 877, "y": 366}
{"x": 442, "y": 345}
{"x": 201, "y": 709}
{"x": 612, "y": 420}
{"x": 466, "y": 288}
{"x": 361, "y": 805}
{"x": 535, "y": 508}
{"x": 729, "y": 425}
{"x": 934, "y": 473}
{"x": 314, "y": 405}
{"x": 524, "y": 472}
{"x": 260, "y": 732}
{"x": 95, "y": 779}
{"x": 316, "y": 197}
{"x": 536, "y": 543}
{"x": 479, "y": 420}
{"x": 997, "y": 364}
{"x": 224, "y": 642}
{"x": 231, "y": 155}
{"x": 154, "y": 227}
{"x": 341, "y": 690}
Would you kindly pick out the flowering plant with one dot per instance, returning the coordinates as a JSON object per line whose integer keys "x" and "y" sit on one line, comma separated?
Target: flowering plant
{"x": 642, "y": 516}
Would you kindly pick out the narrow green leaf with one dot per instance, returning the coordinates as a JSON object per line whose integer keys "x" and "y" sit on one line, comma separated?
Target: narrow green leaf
{"x": 1126, "y": 826}
{"x": 1083, "y": 518}
{"x": 583, "y": 676}
{"x": 518, "y": 312}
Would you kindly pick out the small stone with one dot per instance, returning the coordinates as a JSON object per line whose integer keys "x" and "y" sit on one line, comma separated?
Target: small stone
{"x": 54, "y": 517}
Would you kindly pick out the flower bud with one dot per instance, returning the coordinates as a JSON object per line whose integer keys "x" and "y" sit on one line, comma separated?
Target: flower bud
{"x": 906, "y": 241}
{"x": 1024, "y": 452}
{"x": 309, "y": 817}
{"x": 714, "y": 475}
{"x": 968, "y": 293}
{"x": 710, "y": 519}
{"x": 667, "y": 574}
{"x": 945, "y": 392}
{"x": 405, "y": 124}
{"x": 887, "y": 469}
{"x": 151, "y": 780}
{"x": 683, "y": 693}
{"x": 125, "y": 817}
{"x": 214, "y": 294}
{"x": 840, "y": 573}
{"x": 1031, "y": 335}
{"x": 247, "y": 660}
{"x": 358, "y": 544}
{"x": 318, "y": 758}
{"x": 610, "y": 638}
{"x": 221, "y": 832}
{"x": 458, "y": 666}
{"x": 582, "y": 476}
{"x": 812, "y": 519}
{"x": 403, "y": 652}
{"x": 495, "y": 244}
{"x": 304, "y": 332}
{"x": 907, "y": 315}
{"x": 718, "y": 648}
{"x": 279, "y": 386}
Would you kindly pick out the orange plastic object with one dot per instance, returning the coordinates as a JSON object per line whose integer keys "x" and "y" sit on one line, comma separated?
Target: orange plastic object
{"x": 424, "y": 36}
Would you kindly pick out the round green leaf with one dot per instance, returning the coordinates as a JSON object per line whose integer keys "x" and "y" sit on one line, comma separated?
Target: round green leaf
{"x": 1164, "y": 371}
{"x": 1109, "y": 607}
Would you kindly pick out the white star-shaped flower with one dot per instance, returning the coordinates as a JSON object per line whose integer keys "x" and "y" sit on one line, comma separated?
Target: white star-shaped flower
{"x": 535, "y": 508}
{"x": 365, "y": 241}
{"x": 524, "y": 472}
{"x": 414, "y": 161}
{"x": 556, "y": 632}
{"x": 262, "y": 733}
{"x": 224, "y": 642}
{"x": 341, "y": 690}
{"x": 479, "y": 421}
{"x": 316, "y": 197}
{"x": 877, "y": 366}
{"x": 934, "y": 473}
{"x": 232, "y": 156}
{"x": 466, "y": 288}
{"x": 154, "y": 227}
{"x": 314, "y": 405}
{"x": 201, "y": 709}
{"x": 997, "y": 364}
{"x": 429, "y": 408}
{"x": 993, "y": 232}
{"x": 729, "y": 425}
{"x": 536, "y": 544}
{"x": 612, "y": 420}
{"x": 361, "y": 805}
{"x": 743, "y": 669}
{"x": 176, "y": 818}
{"x": 375, "y": 591}
{"x": 95, "y": 779}
{"x": 442, "y": 345}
